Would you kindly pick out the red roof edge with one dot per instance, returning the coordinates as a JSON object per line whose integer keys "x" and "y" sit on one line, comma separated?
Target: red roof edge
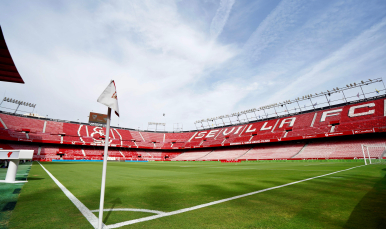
{"x": 8, "y": 70}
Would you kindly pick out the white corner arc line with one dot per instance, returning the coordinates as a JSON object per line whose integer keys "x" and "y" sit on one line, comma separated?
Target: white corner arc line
{"x": 217, "y": 202}
{"x": 130, "y": 210}
{"x": 82, "y": 208}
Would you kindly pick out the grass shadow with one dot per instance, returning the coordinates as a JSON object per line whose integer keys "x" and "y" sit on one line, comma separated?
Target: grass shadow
{"x": 114, "y": 202}
{"x": 35, "y": 178}
{"x": 370, "y": 212}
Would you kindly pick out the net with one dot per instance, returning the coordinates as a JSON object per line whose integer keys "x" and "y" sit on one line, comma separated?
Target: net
{"x": 373, "y": 153}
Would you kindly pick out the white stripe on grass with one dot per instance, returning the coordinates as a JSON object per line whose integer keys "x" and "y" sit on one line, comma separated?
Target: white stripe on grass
{"x": 130, "y": 210}
{"x": 82, "y": 208}
{"x": 216, "y": 202}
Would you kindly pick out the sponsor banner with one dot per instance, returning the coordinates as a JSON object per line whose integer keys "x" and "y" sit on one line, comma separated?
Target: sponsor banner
{"x": 97, "y": 118}
{"x": 312, "y": 136}
{"x": 5, "y": 154}
{"x": 236, "y": 143}
{"x": 261, "y": 141}
{"x": 363, "y": 131}
{"x": 333, "y": 134}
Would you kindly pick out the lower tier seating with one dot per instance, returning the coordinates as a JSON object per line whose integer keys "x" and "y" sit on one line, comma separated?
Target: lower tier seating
{"x": 226, "y": 154}
{"x": 273, "y": 151}
{"x": 330, "y": 148}
{"x": 350, "y": 148}
{"x": 192, "y": 155}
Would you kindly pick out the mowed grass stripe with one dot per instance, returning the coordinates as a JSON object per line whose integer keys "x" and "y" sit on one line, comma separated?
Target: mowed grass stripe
{"x": 220, "y": 201}
{"x": 167, "y": 186}
{"x": 81, "y": 207}
{"x": 158, "y": 186}
{"x": 43, "y": 205}
{"x": 355, "y": 200}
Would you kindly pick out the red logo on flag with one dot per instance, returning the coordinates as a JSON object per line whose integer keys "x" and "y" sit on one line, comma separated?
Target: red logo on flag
{"x": 9, "y": 154}
{"x": 114, "y": 95}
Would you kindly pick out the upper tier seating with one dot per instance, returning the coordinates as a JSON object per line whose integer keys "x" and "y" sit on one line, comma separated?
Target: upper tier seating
{"x": 54, "y": 127}
{"x": 178, "y": 137}
{"x": 18, "y": 123}
{"x": 153, "y": 137}
{"x": 125, "y": 134}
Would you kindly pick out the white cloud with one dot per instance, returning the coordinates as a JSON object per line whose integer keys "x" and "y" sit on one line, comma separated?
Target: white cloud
{"x": 360, "y": 53}
{"x": 155, "y": 58}
{"x": 273, "y": 27}
{"x": 67, "y": 55}
{"x": 221, "y": 18}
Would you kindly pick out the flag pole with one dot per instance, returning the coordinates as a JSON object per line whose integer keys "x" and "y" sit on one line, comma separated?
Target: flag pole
{"x": 101, "y": 205}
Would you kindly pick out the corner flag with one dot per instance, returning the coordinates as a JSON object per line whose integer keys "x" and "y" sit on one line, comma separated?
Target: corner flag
{"x": 110, "y": 99}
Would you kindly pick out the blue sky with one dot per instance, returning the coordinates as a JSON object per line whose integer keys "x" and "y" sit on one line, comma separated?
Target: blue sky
{"x": 187, "y": 59}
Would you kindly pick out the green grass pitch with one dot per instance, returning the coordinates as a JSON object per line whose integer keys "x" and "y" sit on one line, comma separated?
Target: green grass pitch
{"x": 351, "y": 199}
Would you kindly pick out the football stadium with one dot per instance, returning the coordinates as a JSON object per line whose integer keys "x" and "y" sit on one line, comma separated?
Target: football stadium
{"x": 313, "y": 161}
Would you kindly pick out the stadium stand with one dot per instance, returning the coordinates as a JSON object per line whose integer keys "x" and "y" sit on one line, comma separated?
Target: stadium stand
{"x": 192, "y": 156}
{"x": 334, "y": 132}
{"x": 226, "y": 154}
{"x": 340, "y": 148}
{"x": 273, "y": 151}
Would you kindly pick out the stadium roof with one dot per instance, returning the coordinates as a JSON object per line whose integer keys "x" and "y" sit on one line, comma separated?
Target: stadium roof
{"x": 8, "y": 70}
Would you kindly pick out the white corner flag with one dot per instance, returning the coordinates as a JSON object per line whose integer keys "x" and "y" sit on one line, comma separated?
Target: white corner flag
{"x": 110, "y": 99}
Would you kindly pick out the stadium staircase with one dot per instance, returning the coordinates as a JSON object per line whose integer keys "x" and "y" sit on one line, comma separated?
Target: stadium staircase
{"x": 300, "y": 150}
{"x": 243, "y": 154}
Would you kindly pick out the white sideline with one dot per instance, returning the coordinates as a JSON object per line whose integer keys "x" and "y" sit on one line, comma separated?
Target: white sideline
{"x": 82, "y": 208}
{"x": 215, "y": 202}
{"x": 130, "y": 210}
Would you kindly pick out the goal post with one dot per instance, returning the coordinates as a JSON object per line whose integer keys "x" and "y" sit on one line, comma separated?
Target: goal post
{"x": 373, "y": 151}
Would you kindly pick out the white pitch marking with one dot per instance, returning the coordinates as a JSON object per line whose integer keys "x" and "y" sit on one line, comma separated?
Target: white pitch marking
{"x": 130, "y": 210}
{"x": 216, "y": 202}
{"x": 82, "y": 208}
